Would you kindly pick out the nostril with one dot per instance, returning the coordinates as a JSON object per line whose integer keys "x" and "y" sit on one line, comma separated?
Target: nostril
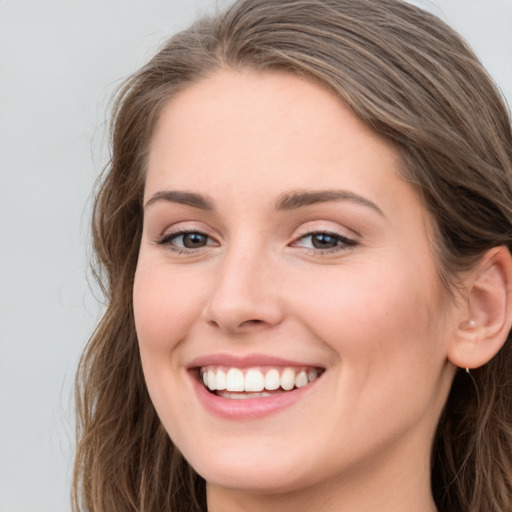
{"x": 241, "y": 327}
{"x": 251, "y": 322}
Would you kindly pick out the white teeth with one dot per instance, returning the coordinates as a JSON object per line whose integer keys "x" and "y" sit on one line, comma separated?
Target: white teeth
{"x": 301, "y": 380}
{"x": 242, "y": 396}
{"x": 211, "y": 380}
{"x": 235, "y": 380}
{"x": 288, "y": 379}
{"x": 254, "y": 381}
{"x": 312, "y": 374}
{"x": 220, "y": 380}
{"x": 272, "y": 380}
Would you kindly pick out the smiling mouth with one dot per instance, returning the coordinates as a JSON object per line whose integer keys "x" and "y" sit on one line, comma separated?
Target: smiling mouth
{"x": 237, "y": 383}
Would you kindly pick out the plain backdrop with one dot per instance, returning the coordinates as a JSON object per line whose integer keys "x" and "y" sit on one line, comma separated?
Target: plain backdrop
{"x": 59, "y": 63}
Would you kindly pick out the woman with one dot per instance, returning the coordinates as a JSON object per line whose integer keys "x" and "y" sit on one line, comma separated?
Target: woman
{"x": 304, "y": 232}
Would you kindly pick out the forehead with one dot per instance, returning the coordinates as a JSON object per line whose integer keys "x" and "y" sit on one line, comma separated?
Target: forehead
{"x": 264, "y": 134}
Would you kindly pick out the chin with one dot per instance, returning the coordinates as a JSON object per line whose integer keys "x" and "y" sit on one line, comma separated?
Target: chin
{"x": 257, "y": 469}
{"x": 252, "y": 478}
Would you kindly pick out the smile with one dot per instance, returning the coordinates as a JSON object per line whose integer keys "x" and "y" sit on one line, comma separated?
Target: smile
{"x": 258, "y": 382}
{"x": 252, "y": 386}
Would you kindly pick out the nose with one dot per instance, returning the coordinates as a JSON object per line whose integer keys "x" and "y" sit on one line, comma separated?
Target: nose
{"x": 245, "y": 296}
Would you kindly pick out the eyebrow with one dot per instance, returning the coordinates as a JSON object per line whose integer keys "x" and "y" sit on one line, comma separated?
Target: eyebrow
{"x": 298, "y": 199}
{"x": 289, "y": 201}
{"x": 177, "y": 196}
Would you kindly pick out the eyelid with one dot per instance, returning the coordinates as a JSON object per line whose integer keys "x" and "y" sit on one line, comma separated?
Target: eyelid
{"x": 326, "y": 226}
{"x": 185, "y": 227}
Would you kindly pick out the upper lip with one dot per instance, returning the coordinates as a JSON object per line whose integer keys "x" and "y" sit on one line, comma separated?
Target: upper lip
{"x": 246, "y": 361}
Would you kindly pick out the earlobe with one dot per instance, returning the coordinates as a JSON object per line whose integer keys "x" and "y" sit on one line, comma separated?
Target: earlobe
{"x": 488, "y": 320}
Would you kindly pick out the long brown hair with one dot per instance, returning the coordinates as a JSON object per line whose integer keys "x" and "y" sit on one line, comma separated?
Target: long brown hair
{"x": 409, "y": 77}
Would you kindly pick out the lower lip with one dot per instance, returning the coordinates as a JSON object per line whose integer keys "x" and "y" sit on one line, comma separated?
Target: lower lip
{"x": 247, "y": 408}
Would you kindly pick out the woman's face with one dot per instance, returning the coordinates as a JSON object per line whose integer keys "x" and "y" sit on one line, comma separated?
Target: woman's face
{"x": 281, "y": 249}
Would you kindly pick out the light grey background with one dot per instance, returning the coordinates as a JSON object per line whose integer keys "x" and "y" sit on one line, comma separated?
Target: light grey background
{"x": 59, "y": 63}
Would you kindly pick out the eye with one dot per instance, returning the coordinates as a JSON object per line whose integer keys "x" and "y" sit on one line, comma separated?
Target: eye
{"x": 325, "y": 241}
{"x": 191, "y": 240}
{"x": 182, "y": 241}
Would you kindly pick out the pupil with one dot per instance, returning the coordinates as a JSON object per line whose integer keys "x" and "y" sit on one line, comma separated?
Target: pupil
{"x": 323, "y": 241}
{"x": 194, "y": 240}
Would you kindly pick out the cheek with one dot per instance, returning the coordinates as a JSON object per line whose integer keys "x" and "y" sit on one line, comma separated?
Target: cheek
{"x": 370, "y": 316}
{"x": 385, "y": 332}
{"x": 165, "y": 306}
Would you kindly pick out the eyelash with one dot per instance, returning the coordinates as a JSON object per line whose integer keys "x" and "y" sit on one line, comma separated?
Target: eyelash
{"x": 343, "y": 243}
{"x": 167, "y": 239}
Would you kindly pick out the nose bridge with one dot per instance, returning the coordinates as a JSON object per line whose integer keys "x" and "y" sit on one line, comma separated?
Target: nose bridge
{"x": 244, "y": 295}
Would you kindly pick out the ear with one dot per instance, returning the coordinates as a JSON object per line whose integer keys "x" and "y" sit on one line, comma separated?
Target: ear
{"x": 486, "y": 317}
